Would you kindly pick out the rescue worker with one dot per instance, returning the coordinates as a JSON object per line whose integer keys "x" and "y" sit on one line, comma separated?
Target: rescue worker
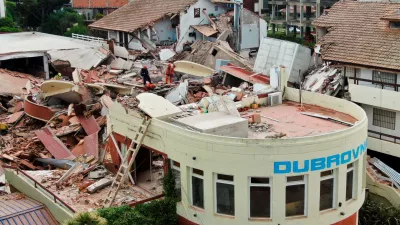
{"x": 169, "y": 73}
{"x": 144, "y": 72}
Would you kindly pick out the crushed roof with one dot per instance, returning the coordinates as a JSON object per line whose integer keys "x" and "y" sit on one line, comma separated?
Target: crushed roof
{"x": 357, "y": 34}
{"x": 16, "y": 208}
{"x": 139, "y": 13}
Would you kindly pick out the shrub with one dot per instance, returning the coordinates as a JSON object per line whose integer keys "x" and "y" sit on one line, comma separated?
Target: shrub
{"x": 373, "y": 212}
{"x": 78, "y": 29}
{"x": 6, "y": 22}
{"x": 9, "y": 29}
{"x": 99, "y": 16}
{"x": 169, "y": 184}
{"x": 87, "y": 218}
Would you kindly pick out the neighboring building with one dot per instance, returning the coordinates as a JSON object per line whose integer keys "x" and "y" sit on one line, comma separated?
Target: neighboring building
{"x": 363, "y": 38}
{"x": 305, "y": 170}
{"x": 90, "y": 8}
{"x": 295, "y": 15}
{"x": 2, "y": 8}
{"x": 16, "y": 208}
{"x": 160, "y": 23}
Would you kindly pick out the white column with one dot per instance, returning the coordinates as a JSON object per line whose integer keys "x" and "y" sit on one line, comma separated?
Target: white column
{"x": 2, "y": 8}
{"x": 45, "y": 66}
{"x": 278, "y": 199}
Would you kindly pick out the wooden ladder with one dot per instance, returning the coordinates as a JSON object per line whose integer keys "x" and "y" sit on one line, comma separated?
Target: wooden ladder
{"x": 128, "y": 161}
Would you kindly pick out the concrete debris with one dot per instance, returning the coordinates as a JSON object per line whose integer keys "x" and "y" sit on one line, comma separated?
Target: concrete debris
{"x": 260, "y": 127}
{"x": 324, "y": 80}
{"x": 99, "y": 185}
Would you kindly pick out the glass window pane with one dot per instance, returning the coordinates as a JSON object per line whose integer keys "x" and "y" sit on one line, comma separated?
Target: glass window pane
{"x": 225, "y": 199}
{"x": 295, "y": 178}
{"x": 198, "y": 192}
{"x": 295, "y": 195}
{"x": 260, "y": 202}
{"x": 259, "y": 180}
{"x": 326, "y": 173}
{"x": 326, "y": 194}
{"x": 349, "y": 165}
{"x": 225, "y": 177}
{"x": 349, "y": 185}
{"x": 176, "y": 164}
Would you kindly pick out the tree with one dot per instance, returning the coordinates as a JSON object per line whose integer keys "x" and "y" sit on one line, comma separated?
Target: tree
{"x": 36, "y": 12}
{"x": 78, "y": 29}
{"x": 60, "y": 21}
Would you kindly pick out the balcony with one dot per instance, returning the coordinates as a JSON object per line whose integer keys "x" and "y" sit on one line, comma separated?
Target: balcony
{"x": 384, "y": 143}
{"x": 371, "y": 93}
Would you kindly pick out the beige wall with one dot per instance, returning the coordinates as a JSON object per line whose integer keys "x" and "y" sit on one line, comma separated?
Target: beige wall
{"x": 242, "y": 158}
{"x": 27, "y": 187}
{"x": 391, "y": 194}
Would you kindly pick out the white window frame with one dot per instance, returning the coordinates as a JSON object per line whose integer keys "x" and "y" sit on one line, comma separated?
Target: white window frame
{"x": 191, "y": 186}
{"x": 354, "y": 180}
{"x": 216, "y": 180}
{"x": 270, "y": 193}
{"x": 293, "y": 183}
{"x": 334, "y": 177}
{"x": 173, "y": 166}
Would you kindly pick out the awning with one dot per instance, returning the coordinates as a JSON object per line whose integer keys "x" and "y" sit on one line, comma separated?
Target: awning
{"x": 207, "y": 30}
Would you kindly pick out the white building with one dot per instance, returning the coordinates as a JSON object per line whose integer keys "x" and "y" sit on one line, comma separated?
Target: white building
{"x": 227, "y": 174}
{"x": 2, "y": 8}
{"x": 139, "y": 25}
{"x": 367, "y": 49}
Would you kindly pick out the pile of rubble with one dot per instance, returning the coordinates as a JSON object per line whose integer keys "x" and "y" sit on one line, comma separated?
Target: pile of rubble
{"x": 325, "y": 80}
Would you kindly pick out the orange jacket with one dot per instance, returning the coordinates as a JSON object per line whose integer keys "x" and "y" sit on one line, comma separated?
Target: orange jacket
{"x": 170, "y": 70}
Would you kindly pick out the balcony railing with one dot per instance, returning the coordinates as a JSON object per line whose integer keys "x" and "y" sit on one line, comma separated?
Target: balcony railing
{"x": 379, "y": 84}
{"x": 36, "y": 184}
{"x": 384, "y": 137}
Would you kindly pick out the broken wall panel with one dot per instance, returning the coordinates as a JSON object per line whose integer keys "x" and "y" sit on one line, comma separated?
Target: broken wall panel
{"x": 37, "y": 111}
{"x": 53, "y": 144}
{"x": 89, "y": 125}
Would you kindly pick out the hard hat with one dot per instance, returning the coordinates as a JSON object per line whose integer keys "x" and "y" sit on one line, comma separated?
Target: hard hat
{"x": 145, "y": 67}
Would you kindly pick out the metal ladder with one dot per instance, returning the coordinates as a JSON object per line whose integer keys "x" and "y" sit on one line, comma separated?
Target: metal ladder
{"x": 128, "y": 161}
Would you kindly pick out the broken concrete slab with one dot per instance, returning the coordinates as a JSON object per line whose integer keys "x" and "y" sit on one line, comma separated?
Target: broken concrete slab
{"x": 192, "y": 68}
{"x": 122, "y": 90}
{"x": 66, "y": 91}
{"x": 59, "y": 163}
{"x": 121, "y": 64}
{"x": 15, "y": 117}
{"x": 166, "y": 54}
{"x": 86, "y": 58}
{"x": 53, "y": 144}
{"x": 179, "y": 94}
{"x": 157, "y": 106}
{"x": 99, "y": 185}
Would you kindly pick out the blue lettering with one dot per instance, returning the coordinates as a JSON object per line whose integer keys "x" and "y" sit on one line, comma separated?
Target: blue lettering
{"x": 287, "y": 167}
{"x": 344, "y": 159}
{"x": 318, "y": 164}
{"x": 296, "y": 168}
{"x": 333, "y": 159}
{"x": 356, "y": 153}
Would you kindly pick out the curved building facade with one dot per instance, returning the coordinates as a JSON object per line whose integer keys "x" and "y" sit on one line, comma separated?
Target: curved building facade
{"x": 314, "y": 174}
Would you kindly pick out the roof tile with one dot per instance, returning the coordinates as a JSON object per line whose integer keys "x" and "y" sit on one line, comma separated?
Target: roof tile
{"x": 357, "y": 34}
{"x": 139, "y": 13}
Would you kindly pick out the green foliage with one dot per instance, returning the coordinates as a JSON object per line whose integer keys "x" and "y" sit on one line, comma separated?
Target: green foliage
{"x": 6, "y": 22}
{"x": 87, "y": 218}
{"x": 169, "y": 184}
{"x": 374, "y": 213}
{"x": 11, "y": 10}
{"x": 9, "y": 29}
{"x": 79, "y": 29}
{"x": 161, "y": 212}
{"x": 99, "y": 16}
{"x": 59, "y": 22}
{"x": 292, "y": 38}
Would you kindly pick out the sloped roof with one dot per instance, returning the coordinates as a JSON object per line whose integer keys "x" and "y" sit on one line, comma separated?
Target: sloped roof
{"x": 16, "y": 208}
{"x": 139, "y": 13}
{"x": 357, "y": 34}
{"x": 105, "y": 4}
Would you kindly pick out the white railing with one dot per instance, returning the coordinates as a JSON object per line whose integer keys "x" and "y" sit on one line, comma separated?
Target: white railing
{"x": 88, "y": 38}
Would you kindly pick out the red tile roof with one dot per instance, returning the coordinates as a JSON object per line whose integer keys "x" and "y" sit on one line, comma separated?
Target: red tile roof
{"x": 357, "y": 34}
{"x": 139, "y": 13}
{"x": 89, "y": 4}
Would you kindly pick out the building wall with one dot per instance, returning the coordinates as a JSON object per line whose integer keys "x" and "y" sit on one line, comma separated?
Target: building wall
{"x": 244, "y": 158}
{"x": 293, "y": 56}
{"x": 164, "y": 30}
{"x": 187, "y": 19}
